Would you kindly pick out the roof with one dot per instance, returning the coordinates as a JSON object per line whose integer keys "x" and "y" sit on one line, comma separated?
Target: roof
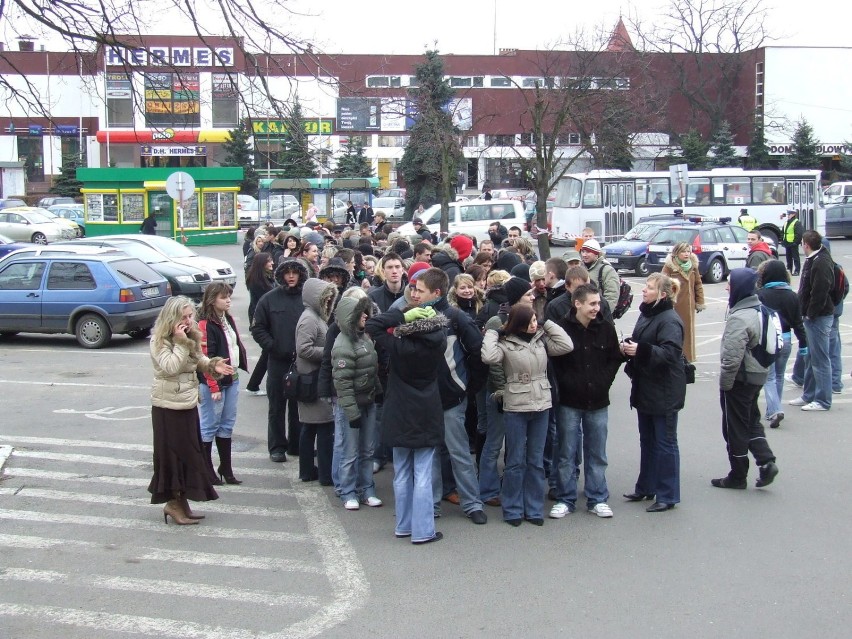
{"x": 620, "y": 39}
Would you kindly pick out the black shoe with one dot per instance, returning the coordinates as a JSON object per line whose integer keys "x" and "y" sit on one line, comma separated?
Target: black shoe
{"x": 535, "y": 521}
{"x": 727, "y": 482}
{"x": 775, "y": 422}
{"x": 767, "y": 474}
{"x": 278, "y": 457}
{"x": 514, "y": 522}
{"x": 438, "y": 537}
{"x": 658, "y": 507}
{"x": 478, "y": 517}
{"x": 551, "y": 495}
{"x": 637, "y": 497}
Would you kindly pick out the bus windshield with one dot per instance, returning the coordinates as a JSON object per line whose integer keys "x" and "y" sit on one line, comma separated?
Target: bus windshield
{"x": 568, "y": 193}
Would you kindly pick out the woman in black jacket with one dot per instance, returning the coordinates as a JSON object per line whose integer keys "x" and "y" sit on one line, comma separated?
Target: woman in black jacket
{"x": 774, "y": 291}
{"x": 259, "y": 281}
{"x": 656, "y": 369}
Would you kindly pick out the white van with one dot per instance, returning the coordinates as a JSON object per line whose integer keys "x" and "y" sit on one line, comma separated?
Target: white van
{"x": 838, "y": 193}
{"x": 473, "y": 217}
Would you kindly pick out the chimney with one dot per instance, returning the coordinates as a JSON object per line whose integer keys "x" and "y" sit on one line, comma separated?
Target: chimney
{"x": 26, "y": 43}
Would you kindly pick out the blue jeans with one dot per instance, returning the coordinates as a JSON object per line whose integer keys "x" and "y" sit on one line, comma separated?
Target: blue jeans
{"x": 489, "y": 475}
{"x": 412, "y": 491}
{"x": 799, "y": 367}
{"x": 593, "y": 425}
{"x": 337, "y": 451}
{"x": 218, "y": 418}
{"x": 773, "y": 389}
{"x": 834, "y": 351}
{"x": 356, "y": 464}
{"x": 659, "y": 465}
{"x": 818, "y": 373}
{"x": 458, "y": 446}
{"x": 523, "y": 479}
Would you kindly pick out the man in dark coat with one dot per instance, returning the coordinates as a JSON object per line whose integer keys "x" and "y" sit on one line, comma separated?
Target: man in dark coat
{"x": 274, "y": 329}
{"x": 415, "y": 341}
{"x": 366, "y": 213}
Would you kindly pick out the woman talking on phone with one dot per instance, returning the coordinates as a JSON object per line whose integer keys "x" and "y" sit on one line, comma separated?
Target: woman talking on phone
{"x": 180, "y": 471}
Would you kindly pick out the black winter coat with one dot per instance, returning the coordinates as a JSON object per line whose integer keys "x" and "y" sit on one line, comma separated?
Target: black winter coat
{"x": 494, "y": 299}
{"x": 275, "y": 319}
{"x": 447, "y": 263}
{"x": 413, "y": 416}
{"x": 659, "y": 382}
{"x": 383, "y": 297}
{"x": 816, "y": 284}
{"x": 214, "y": 344}
{"x": 561, "y": 306}
{"x": 785, "y": 301}
{"x": 585, "y": 375}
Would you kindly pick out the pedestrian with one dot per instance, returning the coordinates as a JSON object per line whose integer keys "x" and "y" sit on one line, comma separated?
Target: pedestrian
{"x": 774, "y": 291}
{"x": 740, "y": 379}
{"x": 259, "y": 281}
{"x": 658, "y": 390}
{"x": 149, "y": 225}
{"x": 413, "y": 422}
{"x": 682, "y": 265}
{"x": 180, "y": 472}
{"x": 601, "y": 272}
{"x": 791, "y": 237}
{"x": 758, "y": 250}
{"x": 315, "y": 415}
{"x": 522, "y": 349}
{"x": 351, "y": 214}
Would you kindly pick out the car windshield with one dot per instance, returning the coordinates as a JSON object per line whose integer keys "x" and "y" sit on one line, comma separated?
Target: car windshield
{"x": 673, "y": 236}
{"x": 384, "y": 202}
{"x": 135, "y": 272}
{"x": 169, "y": 247}
{"x": 642, "y": 232}
{"x": 433, "y": 211}
{"x": 143, "y": 252}
{"x": 37, "y": 218}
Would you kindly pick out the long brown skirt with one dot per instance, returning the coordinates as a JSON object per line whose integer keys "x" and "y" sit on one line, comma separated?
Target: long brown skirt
{"x": 179, "y": 464}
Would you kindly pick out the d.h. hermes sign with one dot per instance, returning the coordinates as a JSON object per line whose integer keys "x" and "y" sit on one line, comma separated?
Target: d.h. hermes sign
{"x": 170, "y": 56}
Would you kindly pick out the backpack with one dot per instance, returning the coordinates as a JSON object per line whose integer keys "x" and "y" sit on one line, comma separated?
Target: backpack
{"x": 625, "y": 294}
{"x": 841, "y": 285}
{"x": 771, "y": 341}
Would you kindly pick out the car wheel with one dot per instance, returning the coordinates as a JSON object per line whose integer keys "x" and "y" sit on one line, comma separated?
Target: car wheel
{"x": 140, "y": 333}
{"x": 39, "y": 238}
{"x": 642, "y": 267}
{"x": 715, "y": 272}
{"x": 92, "y": 331}
{"x": 769, "y": 233}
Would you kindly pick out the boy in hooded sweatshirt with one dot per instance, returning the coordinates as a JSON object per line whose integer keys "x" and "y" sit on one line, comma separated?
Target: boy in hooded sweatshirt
{"x": 740, "y": 380}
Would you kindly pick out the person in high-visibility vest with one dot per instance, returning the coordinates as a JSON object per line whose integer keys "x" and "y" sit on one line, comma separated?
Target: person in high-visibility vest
{"x": 746, "y": 221}
{"x": 791, "y": 237}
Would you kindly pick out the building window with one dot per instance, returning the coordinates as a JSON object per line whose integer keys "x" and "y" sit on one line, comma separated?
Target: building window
{"x": 189, "y": 217}
{"x": 393, "y": 140}
{"x": 102, "y": 207}
{"x": 378, "y": 81}
{"x": 412, "y": 81}
{"x": 172, "y": 99}
{"x": 500, "y": 140}
{"x": 219, "y": 209}
{"x": 500, "y": 82}
{"x": 31, "y": 153}
{"x": 532, "y": 83}
{"x": 119, "y": 94}
{"x": 460, "y": 82}
{"x": 226, "y": 103}
{"x": 478, "y": 81}
{"x": 132, "y": 207}
{"x": 71, "y": 149}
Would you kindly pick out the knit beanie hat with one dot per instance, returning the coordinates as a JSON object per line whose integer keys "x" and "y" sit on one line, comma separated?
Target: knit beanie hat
{"x": 463, "y": 246}
{"x": 521, "y": 270}
{"x": 537, "y": 270}
{"x": 515, "y": 289}
{"x": 416, "y": 268}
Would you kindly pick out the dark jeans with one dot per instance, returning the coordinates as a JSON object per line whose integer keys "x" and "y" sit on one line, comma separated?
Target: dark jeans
{"x": 742, "y": 429}
{"x": 791, "y": 254}
{"x": 258, "y": 372}
{"x": 659, "y": 465}
{"x": 324, "y": 435}
{"x": 281, "y": 411}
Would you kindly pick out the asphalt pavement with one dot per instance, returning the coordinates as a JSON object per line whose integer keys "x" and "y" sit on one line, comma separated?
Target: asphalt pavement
{"x": 84, "y": 555}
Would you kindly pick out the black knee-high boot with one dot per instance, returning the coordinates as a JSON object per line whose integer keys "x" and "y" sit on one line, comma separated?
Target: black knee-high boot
{"x": 208, "y": 460}
{"x": 226, "y": 472}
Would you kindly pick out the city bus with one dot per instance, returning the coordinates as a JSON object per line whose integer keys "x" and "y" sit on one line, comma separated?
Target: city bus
{"x": 610, "y": 201}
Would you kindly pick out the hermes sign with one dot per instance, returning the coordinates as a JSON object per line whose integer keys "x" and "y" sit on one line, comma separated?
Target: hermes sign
{"x": 170, "y": 56}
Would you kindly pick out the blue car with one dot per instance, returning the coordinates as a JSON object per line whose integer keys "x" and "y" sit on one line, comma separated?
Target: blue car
{"x": 630, "y": 253}
{"x": 7, "y": 245}
{"x": 73, "y": 212}
{"x": 89, "y": 296}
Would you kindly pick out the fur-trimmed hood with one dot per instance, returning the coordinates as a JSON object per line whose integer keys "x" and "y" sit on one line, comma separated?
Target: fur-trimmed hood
{"x": 319, "y": 296}
{"x": 338, "y": 267}
{"x": 289, "y": 263}
{"x": 444, "y": 253}
{"x": 439, "y": 321}
{"x": 349, "y": 311}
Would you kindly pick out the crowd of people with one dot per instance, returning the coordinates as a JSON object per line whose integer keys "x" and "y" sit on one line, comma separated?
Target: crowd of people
{"x": 440, "y": 356}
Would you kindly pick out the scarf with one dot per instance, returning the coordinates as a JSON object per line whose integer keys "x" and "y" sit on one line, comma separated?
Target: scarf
{"x": 684, "y": 266}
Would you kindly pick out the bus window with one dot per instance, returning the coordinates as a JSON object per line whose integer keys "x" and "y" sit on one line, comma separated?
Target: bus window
{"x": 568, "y": 193}
{"x": 698, "y": 192}
{"x": 592, "y": 194}
{"x": 733, "y": 190}
{"x": 653, "y": 192}
{"x": 769, "y": 190}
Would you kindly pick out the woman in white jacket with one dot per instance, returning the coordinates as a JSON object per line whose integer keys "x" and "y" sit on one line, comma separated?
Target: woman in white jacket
{"x": 522, "y": 348}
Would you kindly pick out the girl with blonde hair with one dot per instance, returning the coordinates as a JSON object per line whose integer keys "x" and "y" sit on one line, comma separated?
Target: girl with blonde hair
{"x": 465, "y": 295}
{"x": 682, "y": 266}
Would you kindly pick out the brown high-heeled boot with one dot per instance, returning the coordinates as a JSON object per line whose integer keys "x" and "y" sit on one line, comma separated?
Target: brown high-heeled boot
{"x": 208, "y": 462}
{"x": 226, "y": 473}
{"x": 174, "y": 510}
{"x": 185, "y": 505}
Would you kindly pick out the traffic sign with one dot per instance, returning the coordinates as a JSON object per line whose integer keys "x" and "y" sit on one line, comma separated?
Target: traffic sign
{"x": 180, "y": 186}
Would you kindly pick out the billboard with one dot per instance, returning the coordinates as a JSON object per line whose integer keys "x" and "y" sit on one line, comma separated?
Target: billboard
{"x": 359, "y": 114}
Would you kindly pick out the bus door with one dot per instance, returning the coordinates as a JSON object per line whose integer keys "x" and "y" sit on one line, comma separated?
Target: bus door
{"x": 618, "y": 209}
{"x": 802, "y": 196}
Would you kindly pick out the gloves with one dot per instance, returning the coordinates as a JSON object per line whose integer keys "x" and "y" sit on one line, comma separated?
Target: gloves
{"x": 355, "y": 423}
{"x": 700, "y": 307}
{"x": 418, "y": 313}
{"x": 803, "y": 351}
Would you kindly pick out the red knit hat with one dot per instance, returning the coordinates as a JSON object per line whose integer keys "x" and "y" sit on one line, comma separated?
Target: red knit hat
{"x": 463, "y": 246}
{"x": 416, "y": 268}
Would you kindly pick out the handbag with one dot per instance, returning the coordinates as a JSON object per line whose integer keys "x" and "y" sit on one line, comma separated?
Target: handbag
{"x": 292, "y": 382}
{"x": 689, "y": 371}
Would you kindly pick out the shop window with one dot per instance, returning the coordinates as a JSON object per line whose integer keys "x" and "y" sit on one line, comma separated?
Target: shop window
{"x": 219, "y": 209}
{"x": 119, "y": 93}
{"x": 71, "y": 149}
{"x": 226, "y": 103}
{"x": 172, "y": 99}
{"x": 189, "y": 217}
{"x": 102, "y": 207}
{"x": 31, "y": 153}
{"x": 132, "y": 207}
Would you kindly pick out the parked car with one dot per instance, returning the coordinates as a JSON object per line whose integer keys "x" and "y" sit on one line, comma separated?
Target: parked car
{"x": 57, "y": 248}
{"x": 392, "y": 207}
{"x": 837, "y": 193}
{"x": 7, "y": 245}
{"x": 10, "y": 202}
{"x": 838, "y": 220}
{"x": 719, "y": 247}
{"x": 184, "y": 280}
{"x": 92, "y": 297}
{"x": 392, "y": 193}
{"x": 219, "y": 270}
{"x": 73, "y": 212}
{"x": 62, "y": 221}
{"x": 631, "y": 251}
{"x": 282, "y": 206}
{"x": 47, "y": 202}
{"x": 25, "y": 225}
{"x": 472, "y": 218}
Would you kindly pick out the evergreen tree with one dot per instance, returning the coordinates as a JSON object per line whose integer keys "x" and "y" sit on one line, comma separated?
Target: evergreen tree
{"x": 758, "y": 150}
{"x": 352, "y": 163}
{"x": 694, "y": 151}
{"x": 433, "y": 153}
{"x": 66, "y": 183}
{"x": 238, "y": 152}
{"x": 805, "y": 153}
{"x": 296, "y": 159}
{"x": 724, "y": 154}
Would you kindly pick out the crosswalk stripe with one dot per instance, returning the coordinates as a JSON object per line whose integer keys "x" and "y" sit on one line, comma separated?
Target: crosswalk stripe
{"x": 29, "y": 542}
{"x": 161, "y": 587}
{"x": 77, "y": 443}
{"x": 76, "y": 384}
{"x": 110, "y": 522}
{"x": 88, "y": 498}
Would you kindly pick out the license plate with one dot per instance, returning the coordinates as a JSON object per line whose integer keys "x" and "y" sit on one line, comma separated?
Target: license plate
{"x": 151, "y": 291}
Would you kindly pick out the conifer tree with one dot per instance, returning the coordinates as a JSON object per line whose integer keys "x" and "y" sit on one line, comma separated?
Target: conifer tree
{"x": 238, "y": 152}
{"x": 805, "y": 153}
{"x": 724, "y": 154}
{"x": 758, "y": 150}
{"x": 694, "y": 150}
{"x": 352, "y": 162}
{"x": 296, "y": 159}
{"x": 66, "y": 183}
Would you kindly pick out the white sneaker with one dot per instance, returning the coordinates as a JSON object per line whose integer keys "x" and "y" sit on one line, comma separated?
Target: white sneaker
{"x": 814, "y": 406}
{"x": 789, "y": 378}
{"x": 376, "y": 467}
{"x": 559, "y": 510}
{"x": 601, "y": 510}
{"x": 351, "y": 504}
{"x": 372, "y": 502}
{"x": 799, "y": 401}
{"x": 257, "y": 393}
